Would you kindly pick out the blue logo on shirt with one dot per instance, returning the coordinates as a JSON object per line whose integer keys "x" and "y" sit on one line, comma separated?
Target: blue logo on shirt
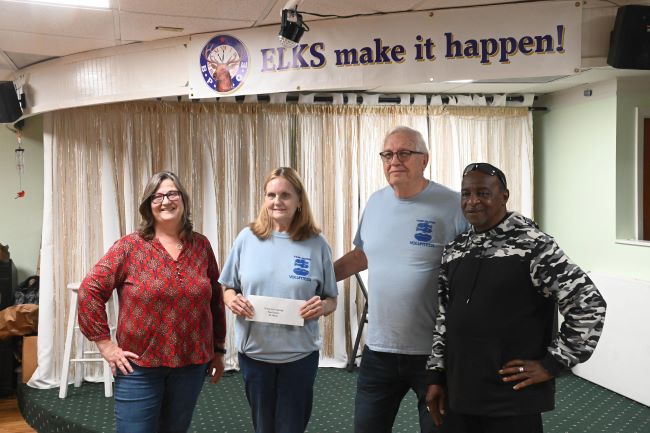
{"x": 301, "y": 268}
{"x": 423, "y": 233}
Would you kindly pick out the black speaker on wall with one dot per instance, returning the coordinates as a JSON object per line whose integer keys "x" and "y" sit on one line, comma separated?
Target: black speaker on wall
{"x": 629, "y": 42}
{"x": 10, "y": 109}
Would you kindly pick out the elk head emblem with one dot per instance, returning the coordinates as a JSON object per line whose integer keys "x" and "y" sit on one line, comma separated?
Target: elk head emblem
{"x": 219, "y": 64}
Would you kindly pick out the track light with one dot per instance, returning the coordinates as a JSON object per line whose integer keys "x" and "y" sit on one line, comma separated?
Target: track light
{"x": 291, "y": 28}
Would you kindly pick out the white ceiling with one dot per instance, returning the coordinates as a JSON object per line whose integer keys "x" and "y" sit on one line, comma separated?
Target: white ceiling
{"x": 33, "y": 32}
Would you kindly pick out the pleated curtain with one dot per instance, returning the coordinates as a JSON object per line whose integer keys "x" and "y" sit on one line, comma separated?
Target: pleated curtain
{"x": 98, "y": 160}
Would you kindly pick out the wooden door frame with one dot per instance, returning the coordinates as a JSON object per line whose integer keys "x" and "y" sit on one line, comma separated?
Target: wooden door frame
{"x": 644, "y": 234}
{"x": 642, "y": 172}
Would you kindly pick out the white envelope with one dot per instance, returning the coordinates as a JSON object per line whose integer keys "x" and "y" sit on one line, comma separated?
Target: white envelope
{"x": 276, "y": 310}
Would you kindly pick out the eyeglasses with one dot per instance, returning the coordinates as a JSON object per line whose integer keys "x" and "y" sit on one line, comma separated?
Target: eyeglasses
{"x": 171, "y": 196}
{"x": 488, "y": 169}
{"x": 402, "y": 155}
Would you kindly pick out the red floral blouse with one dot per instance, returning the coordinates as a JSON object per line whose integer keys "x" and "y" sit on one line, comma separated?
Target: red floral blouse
{"x": 171, "y": 311}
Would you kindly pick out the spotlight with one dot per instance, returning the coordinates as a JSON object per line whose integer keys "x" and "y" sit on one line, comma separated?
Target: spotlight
{"x": 291, "y": 28}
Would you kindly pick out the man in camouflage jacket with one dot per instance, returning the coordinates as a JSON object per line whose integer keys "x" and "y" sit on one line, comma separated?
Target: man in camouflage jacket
{"x": 494, "y": 356}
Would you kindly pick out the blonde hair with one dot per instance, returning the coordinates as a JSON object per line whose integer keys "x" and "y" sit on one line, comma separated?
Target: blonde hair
{"x": 302, "y": 226}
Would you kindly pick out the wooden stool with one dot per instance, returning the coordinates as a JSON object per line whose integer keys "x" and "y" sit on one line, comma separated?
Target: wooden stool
{"x": 82, "y": 356}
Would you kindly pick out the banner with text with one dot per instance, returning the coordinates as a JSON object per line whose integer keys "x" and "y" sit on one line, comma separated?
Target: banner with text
{"x": 478, "y": 43}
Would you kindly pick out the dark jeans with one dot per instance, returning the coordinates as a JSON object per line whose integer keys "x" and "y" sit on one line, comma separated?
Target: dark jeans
{"x": 384, "y": 379}
{"x": 280, "y": 395}
{"x": 461, "y": 423}
{"x": 158, "y": 399}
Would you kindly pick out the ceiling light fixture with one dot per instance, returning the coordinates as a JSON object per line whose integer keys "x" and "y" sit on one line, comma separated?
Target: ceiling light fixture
{"x": 169, "y": 29}
{"x": 292, "y": 27}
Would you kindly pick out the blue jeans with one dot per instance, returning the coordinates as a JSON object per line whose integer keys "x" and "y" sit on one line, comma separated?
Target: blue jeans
{"x": 158, "y": 399}
{"x": 280, "y": 395}
{"x": 383, "y": 381}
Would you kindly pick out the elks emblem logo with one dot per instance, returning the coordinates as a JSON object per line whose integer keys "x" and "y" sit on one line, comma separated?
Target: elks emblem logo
{"x": 224, "y": 63}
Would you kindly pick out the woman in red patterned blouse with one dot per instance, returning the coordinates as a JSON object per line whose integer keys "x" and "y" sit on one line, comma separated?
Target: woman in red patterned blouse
{"x": 171, "y": 325}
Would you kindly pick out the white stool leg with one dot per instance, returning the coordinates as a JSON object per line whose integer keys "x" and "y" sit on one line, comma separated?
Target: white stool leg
{"x": 112, "y": 309}
{"x": 112, "y": 312}
{"x": 79, "y": 352}
{"x": 72, "y": 316}
{"x": 108, "y": 380}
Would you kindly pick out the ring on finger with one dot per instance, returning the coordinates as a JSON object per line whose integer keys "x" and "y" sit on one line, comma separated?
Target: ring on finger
{"x": 521, "y": 369}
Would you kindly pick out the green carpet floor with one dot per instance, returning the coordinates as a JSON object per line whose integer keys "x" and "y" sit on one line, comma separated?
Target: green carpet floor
{"x": 582, "y": 407}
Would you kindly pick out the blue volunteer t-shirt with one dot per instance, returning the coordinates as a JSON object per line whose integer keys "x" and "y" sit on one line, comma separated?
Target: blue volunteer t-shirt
{"x": 282, "y": 268}
{"x": 403, "y": 241}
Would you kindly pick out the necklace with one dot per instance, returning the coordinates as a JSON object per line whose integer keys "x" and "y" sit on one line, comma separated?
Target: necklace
{"x": 177, "y": 244}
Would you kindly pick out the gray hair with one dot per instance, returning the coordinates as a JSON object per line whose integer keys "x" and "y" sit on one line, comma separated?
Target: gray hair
{"x": 420, "y": 144}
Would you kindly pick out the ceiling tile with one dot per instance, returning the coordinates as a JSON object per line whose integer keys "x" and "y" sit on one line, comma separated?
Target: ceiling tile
{"x": 446, "y": 4}
{"x": 142, "y": 27}
{"x": 245, "y": 10}
{"x": 56, "y": 20}
{"x": 338, "y": 7}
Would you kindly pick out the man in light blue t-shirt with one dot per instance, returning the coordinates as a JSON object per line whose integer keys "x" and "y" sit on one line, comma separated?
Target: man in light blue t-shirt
{"x": 400, "y": 240}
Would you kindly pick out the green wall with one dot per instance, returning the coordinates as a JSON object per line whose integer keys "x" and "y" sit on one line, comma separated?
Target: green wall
{"x": 581, "y": 154}
{"x": 21, "y": 219}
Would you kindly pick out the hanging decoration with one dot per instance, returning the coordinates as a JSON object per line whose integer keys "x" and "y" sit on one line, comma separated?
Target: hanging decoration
{"x": 20, "y": 164}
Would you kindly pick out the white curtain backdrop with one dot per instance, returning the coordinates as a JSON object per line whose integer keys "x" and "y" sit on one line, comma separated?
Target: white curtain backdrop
{"x": 98, "y": 160}
{"x": 502, "y": 136}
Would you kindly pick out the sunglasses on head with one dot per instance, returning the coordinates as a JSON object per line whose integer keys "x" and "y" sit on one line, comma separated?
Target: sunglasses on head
{"x": 488, "y": 169}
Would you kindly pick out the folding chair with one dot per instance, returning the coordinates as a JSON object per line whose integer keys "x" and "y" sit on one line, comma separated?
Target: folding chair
{"x": 362, "y": 323}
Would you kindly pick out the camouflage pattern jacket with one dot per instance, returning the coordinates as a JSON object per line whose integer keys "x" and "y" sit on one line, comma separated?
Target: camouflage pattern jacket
{"x": 498, "y": 292}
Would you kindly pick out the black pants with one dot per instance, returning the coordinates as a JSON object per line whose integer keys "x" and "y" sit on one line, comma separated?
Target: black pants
{"x": 383, "y": 381}
{"x": 460, "y": 423}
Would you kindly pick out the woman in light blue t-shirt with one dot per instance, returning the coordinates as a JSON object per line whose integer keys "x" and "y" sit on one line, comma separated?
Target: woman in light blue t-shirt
{"x": 280, "y": 255}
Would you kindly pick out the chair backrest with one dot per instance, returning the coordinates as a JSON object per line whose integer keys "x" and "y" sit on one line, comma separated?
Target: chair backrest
{"x": 362, "y": 286}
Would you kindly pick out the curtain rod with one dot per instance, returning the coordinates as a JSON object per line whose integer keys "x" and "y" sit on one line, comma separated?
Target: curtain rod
{"x": 386, "y": 99}
{"x": 383, "y": 99}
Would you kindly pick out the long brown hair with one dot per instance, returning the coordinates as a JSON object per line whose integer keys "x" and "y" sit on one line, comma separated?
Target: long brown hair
{"x": 147, "y": 226}
{"x": 302, "y": 226}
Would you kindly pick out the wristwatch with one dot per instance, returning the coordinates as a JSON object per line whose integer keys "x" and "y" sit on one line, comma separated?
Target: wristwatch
{"x": 221, "y": 350}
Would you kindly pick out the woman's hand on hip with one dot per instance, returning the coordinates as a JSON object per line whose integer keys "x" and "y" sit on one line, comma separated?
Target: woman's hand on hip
{"x": 116, "y": 356}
